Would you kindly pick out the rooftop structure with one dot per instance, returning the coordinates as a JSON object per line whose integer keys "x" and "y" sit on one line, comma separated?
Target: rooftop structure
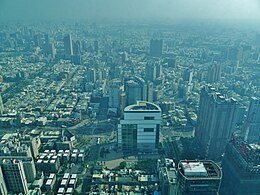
{"x": 198, "y": 177}
{"x": 143, "y": 106}
{"x": 241, "y": 168}
{"x": 194, "y": 169}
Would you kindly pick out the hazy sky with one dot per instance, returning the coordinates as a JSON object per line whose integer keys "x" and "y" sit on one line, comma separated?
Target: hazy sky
{"x": 129, "y": 9}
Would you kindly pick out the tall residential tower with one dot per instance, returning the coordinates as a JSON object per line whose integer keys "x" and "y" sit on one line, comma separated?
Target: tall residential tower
{"x": 217, "y": 119}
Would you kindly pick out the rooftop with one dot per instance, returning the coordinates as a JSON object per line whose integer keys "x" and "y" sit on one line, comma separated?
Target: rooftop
{"x": 199, "y": 169}
{"x": 194, "y": 169}
{"x": 142, "y": 106}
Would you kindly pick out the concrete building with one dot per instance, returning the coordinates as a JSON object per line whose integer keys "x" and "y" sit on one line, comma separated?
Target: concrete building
{"x": 150, "y": 91}
{"x": 135, "y": 89}
{"x": 240, "y": 166}
{"x": 217, "y": 119}
{"x": 49, "y": 50}
{"x": 150, "y": 71}
{"x": 1, "y": 106}
{"x": 198, "y": 177}
{"x": 114, "y": 93}
{"x": 22, "y": 152}
{"x": 156, "y": 47}
{"x": 188, "y": 75}
{"x": 167, "y": 176}
{"x": 14, "y": 176}
{"x": 214, "y": 72}
{"x": 68, "y": 46}
{"x": 252, "y": 124}
{"x": 139, "y": 130}
{"x": 153, "y": 70}
{"x": 33, "y": 142}
{"x": 91, "y": 75}
{"x": 3, "y": 189}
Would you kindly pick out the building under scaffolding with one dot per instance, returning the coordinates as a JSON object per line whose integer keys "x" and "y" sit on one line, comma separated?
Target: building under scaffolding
{"x": 241, "y": 168}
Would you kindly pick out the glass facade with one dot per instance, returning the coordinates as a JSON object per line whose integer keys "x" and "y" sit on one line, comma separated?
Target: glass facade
{"x": 129, "y": 138}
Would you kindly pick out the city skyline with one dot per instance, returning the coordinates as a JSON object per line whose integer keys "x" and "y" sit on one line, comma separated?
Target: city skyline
{"x": 130, "y": 97}
{"x": 30, "y": 10}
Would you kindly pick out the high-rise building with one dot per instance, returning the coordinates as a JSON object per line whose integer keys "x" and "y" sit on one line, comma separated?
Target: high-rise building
{"x": 22, "y": 155}
{"x": 124, "y": 57}
{"x": 76, "y": 59}
{"x": 140, "y": 128}
{"x": 171, "y": 62}
{"x": 3, "y": 189}
{"x": 156, "y": 47}
{"x": 153, "y": 70}
{"x": 91, "y": 75}
{"x": 96, "y": 46}
{"x": 135, "y": 89}
{"x": 46, "y": 38}
{"x": 214, "y": 72}
{"x": 252, "y": 123}
{"x": 217, "y": 120}
{"x": 49, "y": 50}
{"x": 150, "y": 91}
{"x": 257, "y": 39}
{"x": 77, "y": 48}
{"x": 33, "y": 142}
{"x": 1, "y": 106}
{"x": 240, "y": 167}
{"x": 159, "y": 70}
{"x": 37, "y": 40}
{"x": 198, "y": 178}
{"x": 234, "y": 53}
{"x": 114, "y": 93}
{"x": 167, "y": 176}
{"x": 188, "y": 75}
{"x": 68, "y": 46}
{"x": 14, "y": 176}
{"x": 150, "y": 72}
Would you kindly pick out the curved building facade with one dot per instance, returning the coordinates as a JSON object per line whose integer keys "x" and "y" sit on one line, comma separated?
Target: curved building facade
{"x": 198, "y": 177}
{"x": 139, "y": 130}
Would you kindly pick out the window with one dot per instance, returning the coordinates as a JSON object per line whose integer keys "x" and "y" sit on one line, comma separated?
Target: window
{"x": 149, "y": 118}
{"x": 148, "y": 129}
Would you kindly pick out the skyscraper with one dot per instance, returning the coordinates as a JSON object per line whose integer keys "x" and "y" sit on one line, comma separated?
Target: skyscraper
{"x": 14, "y": 176}
{"x": 234, "y": 53}
{"x": 217, "y": 119}
{"x": 214, "y": 72}
{"x": 252, "y": 123}
{"x": 114, "y": 93}
{"x": 156, "y": 47}
{"x": 150, "y": 91}
{"x": 240, "y": 166}
{"x": 91, "y": 75}
{"x": 49, "y": 50}
{"x": 1, "y": 106}
{"x": 135, "y": 89}
{"x": 167, "y": 176}
{"x": 3, "y": 189}
{"x": 198, "y": 178}
{"x": 140, "y": 128}
{"x": 188, "y": 75}
{"x": 153, "y": 70}
{"x": 77, "y": 48}
{"x": 96, "y": 46}
{"x": 150, "y": 71}
{"x": 68, "y": 47}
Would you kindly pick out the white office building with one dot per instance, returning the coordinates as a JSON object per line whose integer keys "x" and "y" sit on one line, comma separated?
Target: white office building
{"x": 139, "y": 130}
